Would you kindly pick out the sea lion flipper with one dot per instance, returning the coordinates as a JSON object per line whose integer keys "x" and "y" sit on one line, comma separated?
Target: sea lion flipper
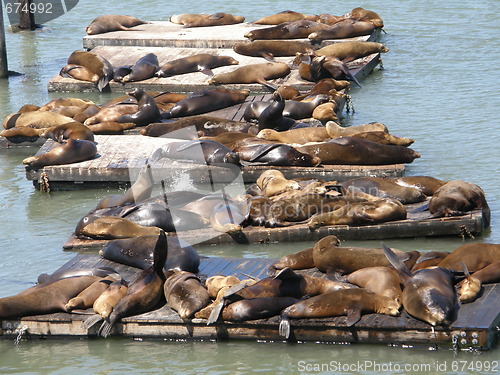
{"x": 268, "y": 56}
{"x": 105, "y": 329}
{"x": 206, "y": 70}
{"x": 264, "y": 151}
{"x": 353, "y": 316}
{"x": 272, "y": 86}
{"x": 91, "y": 321}
{"x": 286, "y": 274}
{"x": 400, "y": 267}
{"x": 284, "y": 327}
{"x": 215, "y": 313}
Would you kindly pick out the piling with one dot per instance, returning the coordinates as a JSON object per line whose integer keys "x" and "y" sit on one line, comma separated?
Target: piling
{"x": 4, "y": 71}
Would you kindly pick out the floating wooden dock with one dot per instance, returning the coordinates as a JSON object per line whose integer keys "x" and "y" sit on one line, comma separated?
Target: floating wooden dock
{"x": 475, "y": 326}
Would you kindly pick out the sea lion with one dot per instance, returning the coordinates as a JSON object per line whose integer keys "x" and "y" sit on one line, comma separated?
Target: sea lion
{"x": 358, "y": 151}
{"x": 474, "y": 255}
{"x": 24, "y": 134}
{"x": 121, "y": 71}
{"x": 215, "y": 283}
{"x": 46, "y": 279}
{"x": 253, "y": 73}
{"x": 276, "y": 19}
{"x": 74, "y": 130}
{"x": 380, "y": 279}
{"x": 428, "y": 294}
{"x": 35, "y": 120}
{"x": 347, "y": 28}
{"x": 471, "y": 287}
{"x": 139, "y": 252}
{"x": 326, "y": 112}
{"x": 86, "y": 298}
{"x": 327, "y": 67}
{"x": 110, "y": 127}
{"x": 455, "y": 198}
{"x": 269, "y": 49}
{"x": 202, "y": 20}
{"x": 287, "y": 30}
{"x": 352, "y": 50}
{"x": 297, "y": 261}
{"x": 185, "y": 293}
{"x": 361, "y": 14}
{"x": 145, "y": 292}
{"x": 202, "y": 62}
{"x": 428, "y": 185}
{"x": 96, "y": 64}
{"x": 272, "y": 116}
{"x": 78, "y": 72}
{"x": 489, "y": 274}
{"x": 112, "y": 22}
{"x": 429, "y": 259}
{"x": 229, "y": 139}
{"x": 46, "y": 299}
{"x": 327, "y": 86}
{"x": 336, "y": 131}
{"x": 112, "y": 113}
{"x": 328, "y": 256}
{"x": 382, "y": 188}
{"x": 256, "y": 308}
{"x": 288, "y": 92}
{"x": 273, "y": 182}
{"x": 380, "y": 211}
{"x": 206, "y": 101}
{"x": 295, "y": 136}
{"x": 384, "y": 138}
{"x": 73, "y": 151}
{"x": 64, "y": 102}
{"x": 148, "y": 111}
{"x": 111, "y": 227}
{"x": 276, "y": 154}
{"x": 350, "y": 302}
{"x": 303, "y": 109}
{"x": 228, "y": 218}
{"x": 144, "y": 68}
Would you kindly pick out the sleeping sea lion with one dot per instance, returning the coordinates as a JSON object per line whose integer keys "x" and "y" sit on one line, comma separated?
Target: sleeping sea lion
{"x": 352, "y": 50}
{"x": 347, "y": 28}
{"x": 253, "y": 73}
{"x": 144, "y": 68}
{"x": 202, "y": 20}
{"x": 96, "y": 64}
{"x": 202, "y": 62}
{"x": 112, "y": 22}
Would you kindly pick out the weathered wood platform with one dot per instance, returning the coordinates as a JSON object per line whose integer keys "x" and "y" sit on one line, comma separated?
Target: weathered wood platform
{"x": 474, "y": 328}
{"x": 119, "y": 153}
{"x": 168, "y": 34}
{"x": 418, "y": 224}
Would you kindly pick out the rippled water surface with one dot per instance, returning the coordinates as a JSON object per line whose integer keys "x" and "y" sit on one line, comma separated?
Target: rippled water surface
{"x": 439, "y": 86}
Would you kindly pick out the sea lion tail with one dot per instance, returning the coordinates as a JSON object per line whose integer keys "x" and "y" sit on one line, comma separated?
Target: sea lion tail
{"x": 103, "y": 82}
{"x": 91, "y": 321}
{"x": 269, "y": 85}
{"x": 421, "y": 208}
{"x": 284, "y": 328}
{"x": 215, "y": 313}
{"x": 105, "y": 329}
{"x": 397, "y": 263}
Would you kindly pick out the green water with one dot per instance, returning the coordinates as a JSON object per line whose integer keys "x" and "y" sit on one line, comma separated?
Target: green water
{"x": 439, "y": 86}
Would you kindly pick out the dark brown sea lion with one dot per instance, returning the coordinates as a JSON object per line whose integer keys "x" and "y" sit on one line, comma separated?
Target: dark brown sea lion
{"x": 474, "y": 255}
{"x": 144, "y": 68}
{"x": 46, "y": 299}
{"x": 120, "y": 72}
{"x": 335, "y": 130}
{"x": 256, "y": 308}
{"x": 148, "y": 111}
{"x": 428, "y": 294}
{"x": 253, "y": 73}
{"x": 358, "y": 151}
{"x": 349, "y": 51}
{"x": 96, "y": 64}
{"x": 287, "y": 30}
{"x": 112, "y": 22}
{"x": 78, "y": 72}
{"x": 206, "y": 101}
{"x": 185, "y": 293}
{"x": 202, "y": 20}
{"x": 24, "y": 134}
{"x": 328, "y": 256}
{"x": 35, "y": 120}
{"x": 145, "y": 292}
{"x": 276, "y": 19}
{"x": 297, "y": 261}
{"x": 361, "y": 14}
{"x": 271, "y": 116}
{"x": 276, "y": 154}
{"x": 269, "y": 49}
{"x": 347, "y": 28}
{"x": 350, "y": 302}
{"x": 72, "y": 151}
{"x": 202, "y": 62}
{"x": 428, "y": 185}
{"x": 327, "y": 67}
{"x": 456, "y": 197}
{"x": 380, "y": 279}
{"x": 383, "y": 188}
{"x": 86, "y": 298}
{"x": 74, "y": 130}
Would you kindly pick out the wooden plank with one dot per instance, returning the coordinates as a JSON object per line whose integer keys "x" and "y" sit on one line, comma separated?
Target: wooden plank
{"x": 168, "y": 34}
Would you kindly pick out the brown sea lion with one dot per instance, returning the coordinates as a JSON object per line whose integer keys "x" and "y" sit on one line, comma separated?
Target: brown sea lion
{"x": 253, "y": 73}
{"x": 335, "y": 130}
{"x": 111, "y": 227}
{"x": 349, "y": 51}
{"x": 474, "y": 255}
{"x": 35, "y": 119}
{"x": 112, "y": 113}
{"x": 471, "y": 287}
{"x": 288, "y": 92}
{"x": 78, "y": 72}
{"x": 361, "y": 14}
{"x": 64, "y": 102}
{"x": 287, "y": 30}
{"x": 256, "y": 308}
{"x": 104, "y": 304}
{"x": 86, "y": 298}
{"x": 383, "y": 188}
{"x": 297, "y": 261}
{"x": 202, "y": 20}
{"x": 185, "y": 293}
{"x": 96, "y": 64}
{"x": 74, "y": 130}
{"x": 350, "y": 302}
{"x": 269, "y": 49}
{"x": 347, "y": 28}
{"x": 72, "y": 151}
{"x": 380, "y": 279}
{"x": 276, "y": 19}
{"x": 324, "y": 67}
{"x": 110, "y": 127}
{"x": 228, "y": 218}
{"x": 273, "y": 182}
{"x": 326, "y": 112}
{"x": 428, "y": 294}
{"x": 489, "y": 274}
{"x": 215, "y": 283}
{"x": 206, "y": 101}
{"x": 329, "y": 256}
{"x": 144, "y": 293}
{"x": 112, "y": 22}
{"x": 358, "y": 151}
{"x": 229, "y": 139}
{"x": 428, "y": 185}
{"x": 143, "y": 69}
{"x": 28, "y": 108}
{"x": 429, "y": 259}
{"x": 24, "y": 134}
{"x": 384, "y": 138}
{"x": 46, "y": 299}
{"x": 295, "y": 136}
{"x": 202, "y": 62}
{"x": 457, "y": 197}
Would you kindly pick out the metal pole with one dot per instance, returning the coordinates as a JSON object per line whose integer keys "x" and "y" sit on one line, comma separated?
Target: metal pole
{"x": 4, "y": 70}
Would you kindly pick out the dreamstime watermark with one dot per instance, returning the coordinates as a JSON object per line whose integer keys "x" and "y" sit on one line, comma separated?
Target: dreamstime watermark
{"x": 42, "y": 11}
{"x": 396, "y": 367}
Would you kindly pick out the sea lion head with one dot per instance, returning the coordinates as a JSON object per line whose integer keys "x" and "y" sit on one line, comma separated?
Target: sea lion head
{"x": 389, "y": 306}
